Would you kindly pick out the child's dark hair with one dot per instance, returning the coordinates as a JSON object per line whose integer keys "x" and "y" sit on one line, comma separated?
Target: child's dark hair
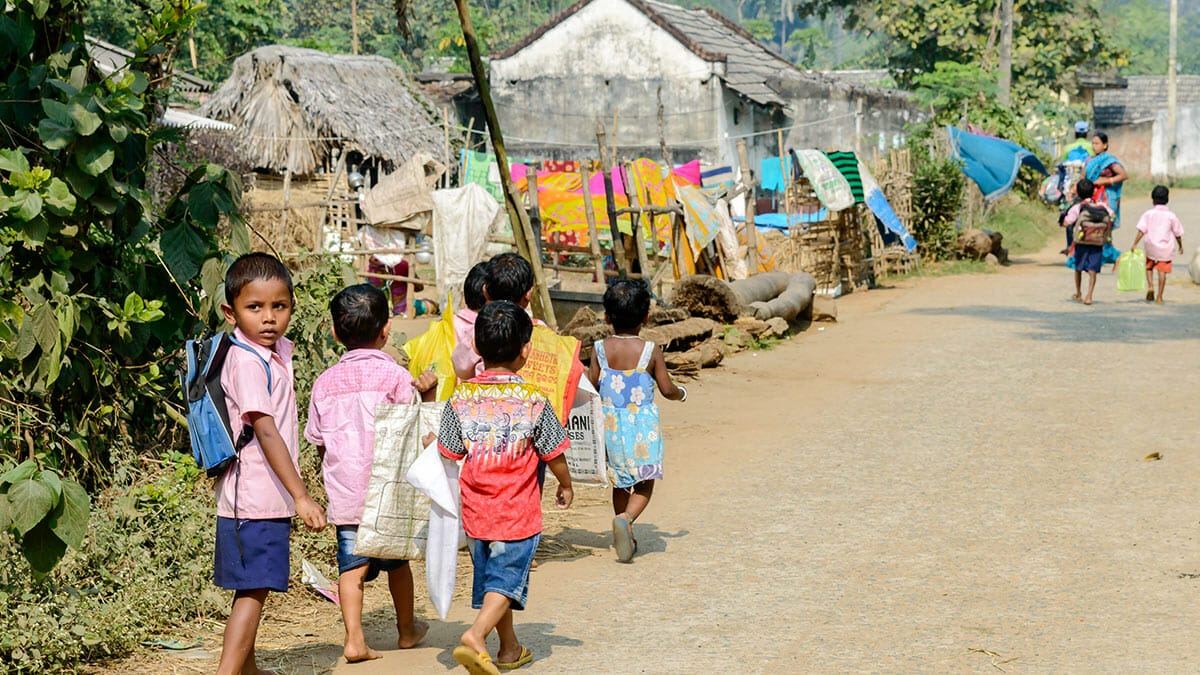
{"x": 501, "y": 331}
{"x": 1085, "y": 189}
{"x": 254, "y": 267}
{"x": 359, "y": 314}
{"x": 509, "y": 277}
{"x": 473, "y": 287}
{"x": 626, "y": 303}
{"x": 1160, "y": 195}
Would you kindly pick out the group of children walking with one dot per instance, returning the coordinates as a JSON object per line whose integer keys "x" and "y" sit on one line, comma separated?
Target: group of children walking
{"x": 1093, "y": 223}
{"x": 504, "y": 432}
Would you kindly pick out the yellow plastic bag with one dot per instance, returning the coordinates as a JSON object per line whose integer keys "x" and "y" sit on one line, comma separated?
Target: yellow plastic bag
{"x": 554, "y": 368}
{"x": 435, "y": 348}
{"x": 1131, "y": 271}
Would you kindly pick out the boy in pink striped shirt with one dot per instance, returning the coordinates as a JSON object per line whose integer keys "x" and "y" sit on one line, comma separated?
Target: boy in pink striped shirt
{"x": 341, "y": 423}
{"x": 1163, "y": 232}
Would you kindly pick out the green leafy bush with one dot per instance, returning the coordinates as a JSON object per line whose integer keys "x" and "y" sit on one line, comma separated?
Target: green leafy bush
{"x": 938, "y": 184}
{"x": 144, "y": 567}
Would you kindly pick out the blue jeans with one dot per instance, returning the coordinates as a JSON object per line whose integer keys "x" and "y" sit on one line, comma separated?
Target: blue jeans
{"x": 346, "y": 536}
{"x": 502, "y": 567}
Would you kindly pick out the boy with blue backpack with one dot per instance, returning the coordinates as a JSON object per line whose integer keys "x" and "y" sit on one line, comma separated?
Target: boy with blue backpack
{"x": 261, "y": 489}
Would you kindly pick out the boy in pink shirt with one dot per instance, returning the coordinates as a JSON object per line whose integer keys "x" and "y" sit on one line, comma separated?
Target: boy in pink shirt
{"x": 1163, "y": 232}
{"x": 341, "y": 423}
{"x": 262, "y": 490}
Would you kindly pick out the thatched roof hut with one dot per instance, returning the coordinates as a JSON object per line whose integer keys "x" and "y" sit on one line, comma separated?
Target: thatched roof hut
{"x": 293, "y": 105}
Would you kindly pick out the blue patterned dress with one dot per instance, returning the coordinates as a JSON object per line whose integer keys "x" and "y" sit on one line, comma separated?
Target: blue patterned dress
{"x": 632, "y": 435}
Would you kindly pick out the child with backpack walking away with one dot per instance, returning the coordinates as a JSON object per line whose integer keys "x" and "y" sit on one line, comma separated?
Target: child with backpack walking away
{"x": 341, "y": 423}
{"x": 625, "y": 369}
{"x": 504, "y": 429}
{"x": 1093, "y": 223}
{"x": 258, "y": 495}
{"x": 1163, "y": 232}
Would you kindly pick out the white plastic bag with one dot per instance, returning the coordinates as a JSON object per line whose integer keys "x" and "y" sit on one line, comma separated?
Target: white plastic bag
{"x": 1194, "y": 266}
{"x": 586, "y": 460}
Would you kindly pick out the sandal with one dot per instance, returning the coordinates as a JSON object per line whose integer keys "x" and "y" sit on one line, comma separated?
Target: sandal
{"x": 623, "y": 539}
{"x": 526, "y": 657}
{"x": 476, "y": 663}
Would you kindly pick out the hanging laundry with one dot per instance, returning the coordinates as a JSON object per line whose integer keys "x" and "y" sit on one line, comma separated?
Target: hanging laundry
{"x": 774, "y": 173}
{"x": 879, "y": 205}
{"x": 847, "y": 164}
{"x": 992, "y": 163}
{"x": 831, "y": 188}
{"x": 561, "y": 165}
{"x": 481, "y": 169}
{"x": 717, "y": 181}
{"x": 699, "y": 216}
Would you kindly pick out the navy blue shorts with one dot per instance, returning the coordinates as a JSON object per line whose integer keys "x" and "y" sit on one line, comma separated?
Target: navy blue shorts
{"x": 346, "y": 536}
{"x": 502, "y": 567}
{"x": 1088, "y": 258}
{"x": 252, "y": 554}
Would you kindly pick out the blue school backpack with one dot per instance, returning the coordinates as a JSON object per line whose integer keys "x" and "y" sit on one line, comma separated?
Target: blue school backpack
{"x": 213, "y": 445}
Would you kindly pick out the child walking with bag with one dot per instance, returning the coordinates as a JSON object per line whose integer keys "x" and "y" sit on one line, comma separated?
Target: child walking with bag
{"x": 1094, "y": 221}
{"x": 1163, "y": 232}
{"x": 258, "y": 495}
{"x": 341, "y": 423}
{"x": 625, "y": 369}
{"x": 503, "y": 429}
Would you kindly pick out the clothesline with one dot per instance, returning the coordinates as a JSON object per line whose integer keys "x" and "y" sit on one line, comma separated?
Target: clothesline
{"x": 705, "y": 141}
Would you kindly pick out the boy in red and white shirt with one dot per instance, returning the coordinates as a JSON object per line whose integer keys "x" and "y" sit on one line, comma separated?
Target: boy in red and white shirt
{"x": 503, "y": 429}
{"x": 1163, "y": 232}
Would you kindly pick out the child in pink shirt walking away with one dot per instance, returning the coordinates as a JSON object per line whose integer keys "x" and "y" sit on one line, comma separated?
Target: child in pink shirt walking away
{"x": 341, "y": 423}
{"x": 1163, "y": 232}
{"x": 464, "y": 357}
{"x": 258, "y": 495}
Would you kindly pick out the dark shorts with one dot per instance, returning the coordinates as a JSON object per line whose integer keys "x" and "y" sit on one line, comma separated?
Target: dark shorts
{"x": 502, "y": 567}
{"x": 346, "y": 536}
{"x": 252, "y": 554}
{"x": 1088, "y": 258}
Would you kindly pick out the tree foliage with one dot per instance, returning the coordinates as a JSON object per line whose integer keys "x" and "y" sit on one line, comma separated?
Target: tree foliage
{"x": 1052, "y": 39}
{"x": 96, "y": 289}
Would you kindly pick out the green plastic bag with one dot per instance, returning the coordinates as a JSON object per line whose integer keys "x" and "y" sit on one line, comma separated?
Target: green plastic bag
{"x": 1131, "y": 271}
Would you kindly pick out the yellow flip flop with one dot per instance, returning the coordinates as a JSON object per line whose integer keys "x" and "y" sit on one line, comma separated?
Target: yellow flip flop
{"x": 526, "y": 657}
{"x": 476, "y": 663}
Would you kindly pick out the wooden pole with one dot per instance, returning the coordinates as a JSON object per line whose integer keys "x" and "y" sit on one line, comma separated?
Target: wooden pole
{"x": 748, "y": 189}
{"x": 590, "y": 214}
{"x": 354, "y": 27}
{"x": 787, "y": 181}
{"x": 1172, "y": 92}
{"x": 635, "y": 201}
{"x": 522, "y": 231}
{"x": 1006, "y": 45}
{"x": 662, "y": 133}
{"x": 618, "y": 244}
{"x": 446, "y": 145}
{"x": 287, "y": 200}
{"x": 535, "y": 211}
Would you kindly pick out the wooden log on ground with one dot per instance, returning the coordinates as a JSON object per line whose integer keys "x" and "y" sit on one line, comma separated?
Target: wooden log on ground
{"x": 681, "y": 335}
{"x": 706, "y": 296}
{"x": 796, "y": 298}
{"x": 660, "y": 315}
{"x": 760, "y": 287}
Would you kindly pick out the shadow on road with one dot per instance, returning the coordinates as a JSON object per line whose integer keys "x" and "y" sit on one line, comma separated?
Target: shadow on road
{"x": 1125, "y": 321}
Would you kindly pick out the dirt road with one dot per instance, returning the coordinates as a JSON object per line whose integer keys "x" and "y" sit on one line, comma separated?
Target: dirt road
{"x": 949, "y": 479}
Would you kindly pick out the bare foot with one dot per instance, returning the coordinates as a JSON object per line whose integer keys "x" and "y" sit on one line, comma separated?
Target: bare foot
{"x": 1077, "y": 298}
{"x": 1158, "y": 302}
{"x": 1087, "y": 301}
{"x": 356, "y": 654}
{"x": 412, "y": 637}
{"x": 533, "y": 565}
{"x": 473, "y": 642}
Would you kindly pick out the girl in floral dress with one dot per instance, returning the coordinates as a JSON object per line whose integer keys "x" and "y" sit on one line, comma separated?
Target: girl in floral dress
{"x": 625, "y": 370}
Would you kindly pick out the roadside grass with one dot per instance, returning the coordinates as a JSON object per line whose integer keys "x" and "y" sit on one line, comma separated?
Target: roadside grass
{"x": 1026, "y": 225}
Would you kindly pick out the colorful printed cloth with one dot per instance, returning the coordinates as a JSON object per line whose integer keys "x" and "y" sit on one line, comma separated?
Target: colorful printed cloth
{"x": 632, "y": 434}
{"x": 701, "y": 218}
{"x": 882, "y": 208}
{"x": 502, "y": 427}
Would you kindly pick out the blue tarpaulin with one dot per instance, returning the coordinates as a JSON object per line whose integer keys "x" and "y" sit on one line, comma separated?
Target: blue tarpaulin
{"x": 991, "y": 162}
